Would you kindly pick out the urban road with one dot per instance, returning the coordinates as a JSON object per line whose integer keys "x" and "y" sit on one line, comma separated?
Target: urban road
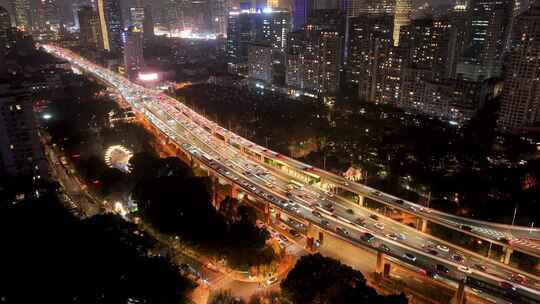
{"x": 218, "y": 149}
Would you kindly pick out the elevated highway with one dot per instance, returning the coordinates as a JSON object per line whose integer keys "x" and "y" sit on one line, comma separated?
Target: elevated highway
{"x": 266, "y": 177}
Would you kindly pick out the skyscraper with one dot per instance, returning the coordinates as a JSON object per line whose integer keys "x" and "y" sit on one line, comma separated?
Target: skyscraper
{"x": 219, "y": 11}
{"x": 21, "y": 150}
{"x": 260, "y": 62}
{"x": 22, "y": 14}
{"x": 314, "y": 58}
{"x": 429, "y": 44}
{"x": 325, "y": 4}
{"x": 5, "y": 25}
{"x": 520, "y": 100}
{"x": 51, "y": 14}
{"x": 273, "y": 4}
{"x": 148, "y": 23}
{"x": 269, "y": 27}
{"x": 90, "y": 30}
{"x": 402, "y": 12}
{"x": 110, "y": 17}
{"x": 301, "y": 12}
{"x": 133, "y": 53}
{"x": 369, "y": 46}
{"x": 136, "y": 16}
{"x": 486, "y": 39}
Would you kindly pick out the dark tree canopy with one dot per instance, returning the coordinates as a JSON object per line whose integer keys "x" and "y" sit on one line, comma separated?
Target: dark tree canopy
{"x": 177, "y": 203}
{"x": 48, "y": 256}
{"x": 318, "y": 279}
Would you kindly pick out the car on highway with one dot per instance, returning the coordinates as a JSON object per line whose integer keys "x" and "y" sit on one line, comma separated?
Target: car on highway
{"x": 374, "y": 217}
{"x": 367, "y": 237}
{"x": 295, "y": 233}
{"x": 506, "y": 285}
{"x": 441, "y": 268}
{"x": 315, "y": 205}
{"x": 342, "y": 231}
{"x": 503, "y": 240}
{"x": 443, "y": 248}
{"x": 458, "y": 258}
{"x": 399, "y": 201}
{"x": 409, "y": 256}
{"x": 394, "y": 236}
{"x": 379, "y": 226}
{"x": 465, "y": 227}
{"x": 433, "y": 252}
{"x": 480, "y": 267}
{"x": 360, "y": 221}
{"x": 350, "y": 211}
{"x": 316, "y": 213}
{"x": 464, "y": 269}
{"x": 329, "y": 207}
{"x": 325, "y": 223}
{"x": 384, "y": 248}
{"x": 519, "y": 278}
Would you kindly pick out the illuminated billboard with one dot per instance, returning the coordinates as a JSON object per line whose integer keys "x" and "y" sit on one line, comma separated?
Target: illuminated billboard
{"x": 148, "y": 76}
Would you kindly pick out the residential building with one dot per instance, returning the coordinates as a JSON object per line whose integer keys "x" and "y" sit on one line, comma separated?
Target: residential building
{"x": 245, "y": 27}
{"x": 133, "y": 53}
{"x": 110, "y": 17}
{"x": 21, "y": 149}
{"x": 369, "y": 47}
{"x": 23, "y": 14}
{"x": 148, "y": 24}
{"x": 5, "y": 26}
{"x": 260, "y": 63}
{"x": 90, "y": 29}
{"x": 520, "y": 100}
{"x": 313, "y": 63}
{"x": 486, "y": 39}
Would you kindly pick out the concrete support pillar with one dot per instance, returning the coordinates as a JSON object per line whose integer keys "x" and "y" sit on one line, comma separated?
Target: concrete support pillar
{"x": 310, "y": 244}
{"x": 234, "y": 191}
{"x": 361, "y": 200}
{"x": 215, "y": 200}
{"x": 459, "y": 297}
{"x": 386, "y": 270}
{"x": 507, "y": 254}
{"x": 267, "y": 217}
{"x": 422, "y": 225}
{"x": 278, "y": 217}
{"x": 380, "y": 262}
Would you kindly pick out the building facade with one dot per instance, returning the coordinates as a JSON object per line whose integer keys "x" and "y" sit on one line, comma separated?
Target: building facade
{"x": 133, "y": 53}
{"x": 520, "y": 101}
{"x": 486, "y": 38}
{"x": 246, "y": 27}
{"x": 21, "y": 149}
{"x": 90, "y": 29}
{"x": 110, "y": 18}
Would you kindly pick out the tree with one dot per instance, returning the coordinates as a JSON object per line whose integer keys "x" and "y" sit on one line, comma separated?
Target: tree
{"x": 225, "y": 297}
{"x": 52, "y": 257}
{"x": 180, "y": 205}
{"x": 317, "y": 279}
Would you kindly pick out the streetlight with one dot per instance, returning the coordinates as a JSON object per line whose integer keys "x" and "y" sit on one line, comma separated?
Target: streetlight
{"x": 515, "y": 212}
